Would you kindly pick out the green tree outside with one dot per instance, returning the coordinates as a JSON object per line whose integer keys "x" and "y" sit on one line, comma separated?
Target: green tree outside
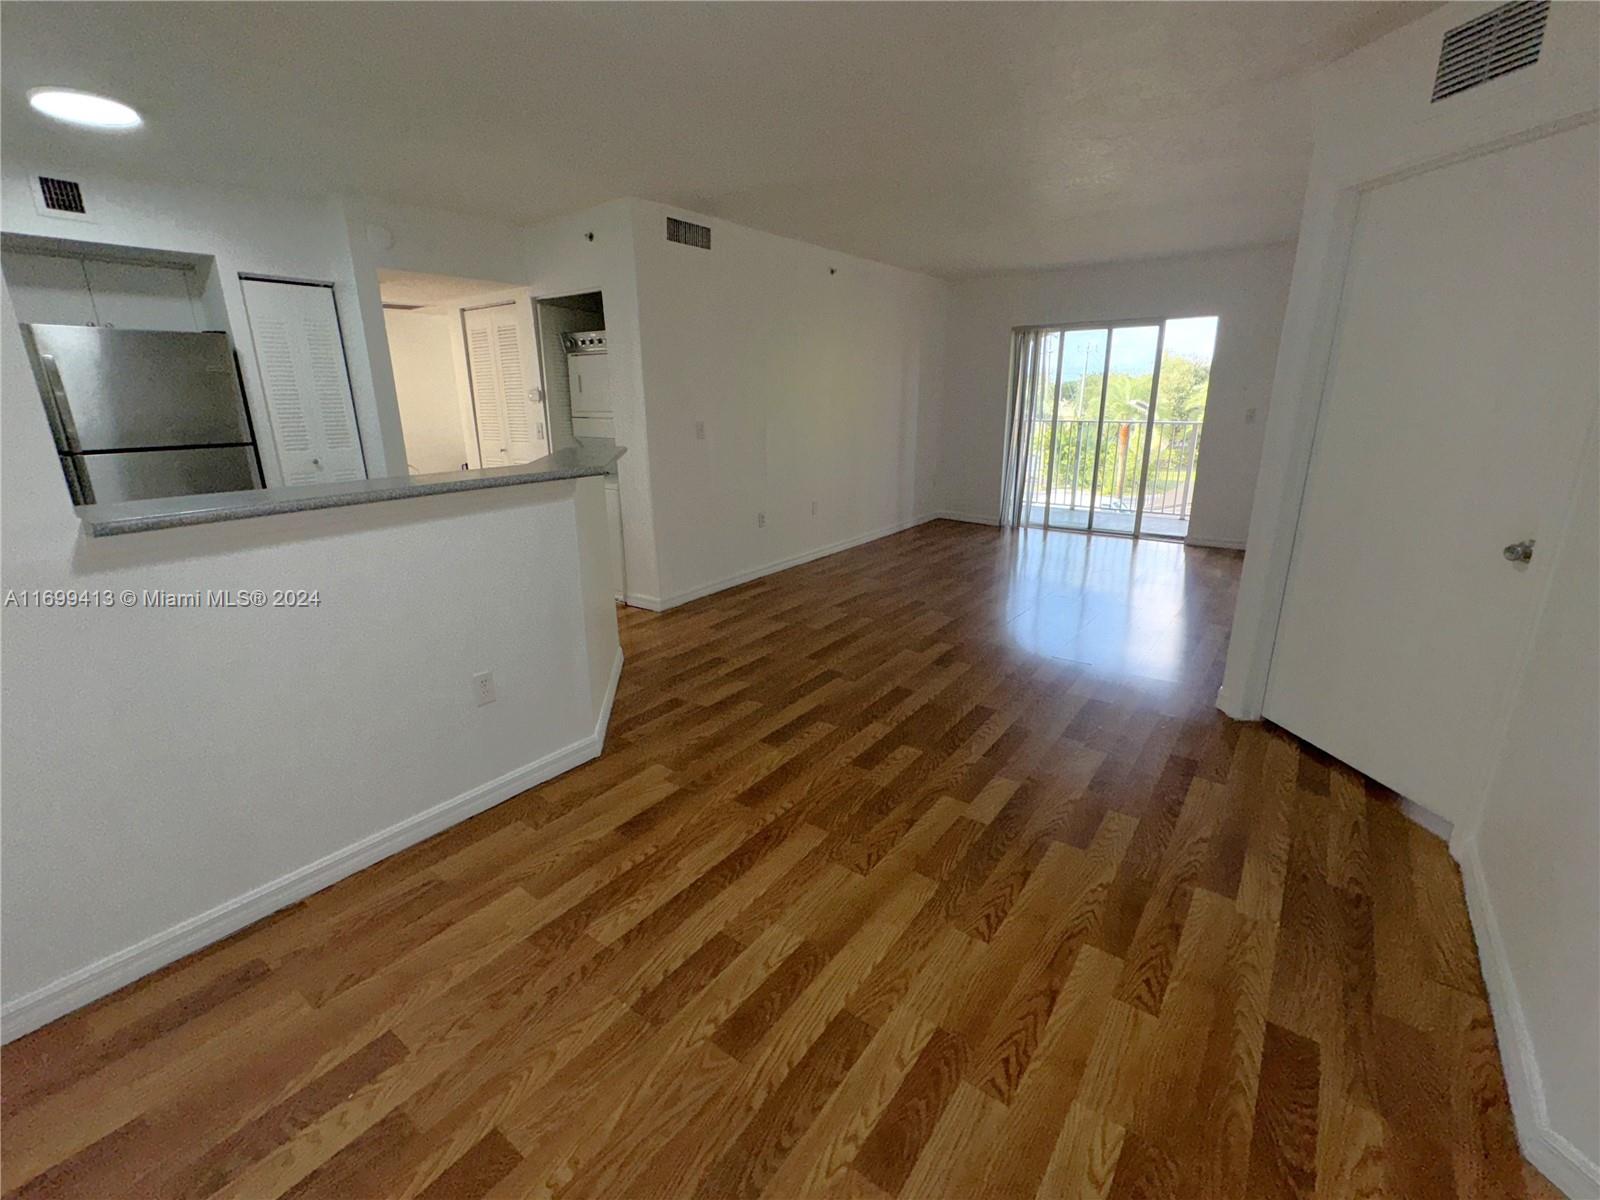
{"x": 1184, "y": 385}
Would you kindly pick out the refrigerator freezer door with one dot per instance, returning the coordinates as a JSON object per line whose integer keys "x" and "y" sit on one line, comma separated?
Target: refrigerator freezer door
{"x": 158, "y": 474}
{"x": 118, "y": 389}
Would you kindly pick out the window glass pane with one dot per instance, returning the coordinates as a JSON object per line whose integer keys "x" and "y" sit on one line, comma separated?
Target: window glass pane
{"x": 1175, "y": 439}
{"x": 1042, "y": 380}
{"x": 1083, "y": 361}
{"x": 1122, "y": 432}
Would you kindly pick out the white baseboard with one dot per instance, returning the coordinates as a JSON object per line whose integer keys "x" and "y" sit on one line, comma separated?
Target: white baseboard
{"x": 1214, "y": 543}
{"x": 661, "y": 604}
{"x": 658, "y": 604}
{"x": 602, "y": 720}
{"x": 59, "y": 997}
{"x": 1562, "y": 1163}
{"x": 1229, "y": 703}
{"x": 971, "y": 518}
{"x": 1441, "y": 827}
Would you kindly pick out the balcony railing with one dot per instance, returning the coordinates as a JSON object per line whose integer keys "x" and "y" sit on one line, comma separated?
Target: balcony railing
{"x": 1064, "y": 475}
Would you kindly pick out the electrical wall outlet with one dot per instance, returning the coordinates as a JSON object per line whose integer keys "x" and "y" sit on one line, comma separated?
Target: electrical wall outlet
{"x": 483, "y": 687}
{"x": 699, "y": 431}
{"x": 761, "y": 520}
{"x": 1249, "y": 416}
{"x": 813, "y": 508}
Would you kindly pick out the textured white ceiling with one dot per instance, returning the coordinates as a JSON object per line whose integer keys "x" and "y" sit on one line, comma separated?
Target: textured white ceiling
{"x": 952, "y": 138}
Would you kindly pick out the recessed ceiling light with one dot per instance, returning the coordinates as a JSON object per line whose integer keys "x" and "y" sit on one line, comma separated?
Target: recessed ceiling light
{"x": 83, "y": 108}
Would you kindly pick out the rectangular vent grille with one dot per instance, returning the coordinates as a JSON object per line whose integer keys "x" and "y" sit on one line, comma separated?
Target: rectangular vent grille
{"x": 688, "y": 233}
{"x": 1502, "y": 40}
{"x": 61, "y": 195}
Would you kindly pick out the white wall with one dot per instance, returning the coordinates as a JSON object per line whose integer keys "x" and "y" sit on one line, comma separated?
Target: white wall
{"x": 249, "y": 232}
{"x": 564, "y": 259}
{"x": 1534, "y": 863}
{"x": 1245, "y": 288}
{"x": 814, "y": 388}
{"x": 422, "y": 355}
{"x": 172, "y": 774}
{"x": 1530, "y": 869}
{"x": 433, "y": 241}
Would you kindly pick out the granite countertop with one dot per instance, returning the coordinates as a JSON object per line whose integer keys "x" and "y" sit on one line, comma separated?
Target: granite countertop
{"x": 135, "y": 516}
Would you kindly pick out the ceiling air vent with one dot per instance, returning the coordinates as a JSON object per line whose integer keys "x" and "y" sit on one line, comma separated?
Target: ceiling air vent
{"x": 61, "y": 195}
{"x": 1502, "y": 40}
{"x": 688, "y": 233}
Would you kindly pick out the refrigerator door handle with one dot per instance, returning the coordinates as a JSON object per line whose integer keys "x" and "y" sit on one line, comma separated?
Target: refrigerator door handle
{"x": 65, "y": 429}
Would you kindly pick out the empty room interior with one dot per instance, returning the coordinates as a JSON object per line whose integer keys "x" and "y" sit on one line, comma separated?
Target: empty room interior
{"x": 961, "y": 601}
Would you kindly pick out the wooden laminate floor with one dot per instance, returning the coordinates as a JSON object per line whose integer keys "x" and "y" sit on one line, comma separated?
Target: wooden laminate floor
{"x": 927, "y": 869}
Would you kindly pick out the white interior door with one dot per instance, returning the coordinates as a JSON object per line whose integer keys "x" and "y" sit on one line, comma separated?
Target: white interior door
{"x": 499, "y": 361}
{"x": 300, "y": 355}
{"x": 1463, "y": 377}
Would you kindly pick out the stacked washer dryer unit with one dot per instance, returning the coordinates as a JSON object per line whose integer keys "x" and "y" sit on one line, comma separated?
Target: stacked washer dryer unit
{"x": 589, "y": 381}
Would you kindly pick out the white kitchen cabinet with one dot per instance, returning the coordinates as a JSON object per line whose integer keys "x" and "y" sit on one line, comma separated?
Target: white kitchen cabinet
{"x": 590, "y": 376}
{"x": 299, "y": 352}
{"x": 54, "y": 289}
{"x": 143, "y": 296}
{"x": 49, "y": 289}
{"x": 502, "y": 398}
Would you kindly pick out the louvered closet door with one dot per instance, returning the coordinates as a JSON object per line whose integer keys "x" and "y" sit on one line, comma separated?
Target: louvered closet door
{"x": 300, "y": 356}
{"x": 497, "y": 354}
{"x": 511, "y": 355}
{"x": 488, "y": 398}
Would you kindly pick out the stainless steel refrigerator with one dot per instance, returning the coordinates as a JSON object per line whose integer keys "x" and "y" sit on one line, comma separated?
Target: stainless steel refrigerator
{"x": 141, "y": 414}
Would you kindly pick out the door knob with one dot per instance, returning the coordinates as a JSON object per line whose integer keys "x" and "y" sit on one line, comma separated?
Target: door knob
{"x": 1519, "y": 552}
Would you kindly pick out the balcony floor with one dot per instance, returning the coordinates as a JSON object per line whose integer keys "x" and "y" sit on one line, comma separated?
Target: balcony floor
{"x": 1165, "y": 525}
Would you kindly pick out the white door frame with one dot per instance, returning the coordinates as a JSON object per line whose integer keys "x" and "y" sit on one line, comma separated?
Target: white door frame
{"x": 534, "y": 301}
{"x": 1518, "y": 108}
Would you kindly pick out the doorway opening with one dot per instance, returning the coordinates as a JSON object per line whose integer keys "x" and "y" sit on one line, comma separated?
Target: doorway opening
{"x": 466, "y": 371}
{"x": 576, "y": 367}
{"x": 1105, "y": 421}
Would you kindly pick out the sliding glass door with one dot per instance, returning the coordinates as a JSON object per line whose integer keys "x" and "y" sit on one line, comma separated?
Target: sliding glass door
{"x": 1069, "y": 366}
{"x": 1105, "y": 425}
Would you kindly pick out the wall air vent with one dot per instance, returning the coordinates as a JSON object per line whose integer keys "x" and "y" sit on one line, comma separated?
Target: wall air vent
{"x": 688, "y": 233}
{"x": 1502, "y": 40}
{"x": 61, "y": 195}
